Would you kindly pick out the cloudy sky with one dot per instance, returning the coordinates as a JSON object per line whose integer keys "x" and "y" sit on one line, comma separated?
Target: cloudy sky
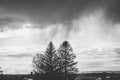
{"x": 91, "y": 26}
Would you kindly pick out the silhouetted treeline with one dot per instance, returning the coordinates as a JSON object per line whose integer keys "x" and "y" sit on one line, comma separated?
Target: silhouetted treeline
{"x": 16, "y": 77}
{"x": 100, "y": 76}
{"x": 55, "y": 64}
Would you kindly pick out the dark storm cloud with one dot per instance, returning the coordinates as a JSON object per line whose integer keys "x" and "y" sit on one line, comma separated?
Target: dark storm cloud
{"x": 113, "y": 11}
{"x": 8, "y": 22}
{"x": 50, "y": 11}
{"x": 45, "y": 12}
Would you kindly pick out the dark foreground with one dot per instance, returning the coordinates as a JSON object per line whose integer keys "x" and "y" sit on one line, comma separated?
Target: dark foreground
{"x": 83, "y": 76}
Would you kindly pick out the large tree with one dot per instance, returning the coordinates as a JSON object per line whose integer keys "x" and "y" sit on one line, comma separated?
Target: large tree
{"x": 46, "y": 63}
{"x": 67, "y": 56}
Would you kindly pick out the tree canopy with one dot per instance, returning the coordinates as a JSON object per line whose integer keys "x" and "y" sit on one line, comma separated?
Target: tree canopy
{"x": 67, "y": 56}
{"x": 54, "y": 63}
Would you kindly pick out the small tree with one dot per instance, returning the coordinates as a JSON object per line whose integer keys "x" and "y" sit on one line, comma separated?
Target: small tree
{"x": 65, "y": 52}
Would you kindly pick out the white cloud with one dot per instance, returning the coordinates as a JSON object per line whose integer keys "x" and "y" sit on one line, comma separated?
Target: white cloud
{"x": 89, "y": 31}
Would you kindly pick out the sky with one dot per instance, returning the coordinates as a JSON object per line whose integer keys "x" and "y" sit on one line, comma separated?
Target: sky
{"x": 91, "y": 26}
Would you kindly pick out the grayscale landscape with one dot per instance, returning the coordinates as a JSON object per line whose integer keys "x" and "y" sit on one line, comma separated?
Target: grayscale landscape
{"x": 59, "y": 40}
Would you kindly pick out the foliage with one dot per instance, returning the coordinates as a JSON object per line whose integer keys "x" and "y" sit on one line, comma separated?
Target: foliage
{"x": 47, "y": 62}
{"x": 54, "y": 64}
{"x": 66, "y": 55}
